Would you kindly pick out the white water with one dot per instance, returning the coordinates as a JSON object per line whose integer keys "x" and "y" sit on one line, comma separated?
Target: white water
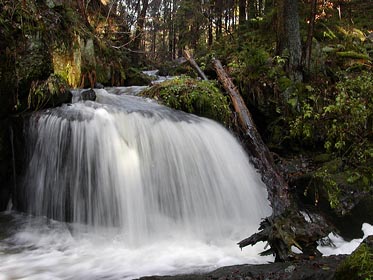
{"x": 146, "y": 190}
{"x": 343, "y": 247}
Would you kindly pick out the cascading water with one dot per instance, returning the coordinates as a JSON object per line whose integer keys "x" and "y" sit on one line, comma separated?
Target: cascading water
{"x": 124, "y": 180}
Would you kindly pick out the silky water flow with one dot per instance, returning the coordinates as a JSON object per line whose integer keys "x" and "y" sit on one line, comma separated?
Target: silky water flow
{"x": 123, "y": 187}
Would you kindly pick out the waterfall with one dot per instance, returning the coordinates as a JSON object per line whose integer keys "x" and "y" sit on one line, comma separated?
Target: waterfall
{"x": 128, "y": 163}
{"x": 135, "y": 188}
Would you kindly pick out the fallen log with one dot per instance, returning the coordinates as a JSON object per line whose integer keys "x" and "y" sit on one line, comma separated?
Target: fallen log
{"x": 192, "y": 62}
{"x": 286, "y": 227}
{"x": 279, "y": 195}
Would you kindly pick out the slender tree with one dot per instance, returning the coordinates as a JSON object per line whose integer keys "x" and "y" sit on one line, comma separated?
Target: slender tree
{"x": 242, "y": 12}
{"x": 219, "y": 18}
{"x": 142, "y": 9}
{"x": 306, "y": 58}
{"x": 288, "y": 40}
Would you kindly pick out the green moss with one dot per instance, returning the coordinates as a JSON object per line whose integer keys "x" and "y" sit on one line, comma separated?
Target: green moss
{"x": 202, "y": 98}
{"x": 322, "y": 158}
{"x": 352, "y": 54}
{"x": 359, "y": 265}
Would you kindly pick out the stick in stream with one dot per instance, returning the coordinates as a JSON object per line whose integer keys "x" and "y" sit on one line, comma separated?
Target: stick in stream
{"x": 192, "y": 62}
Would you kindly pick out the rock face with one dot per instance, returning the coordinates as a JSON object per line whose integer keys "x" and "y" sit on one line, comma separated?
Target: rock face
{"x": 5, "y": 164}
{"x": 359, "y": 265}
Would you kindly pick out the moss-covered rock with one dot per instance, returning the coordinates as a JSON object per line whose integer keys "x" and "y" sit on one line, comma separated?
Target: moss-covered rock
{"x": 68, "y": 65}
{"x": 134, "y": 77}
{"x": 202, "y": 98}
{"x": 359, "y": 265}
{"x": 176, "y": 69}
{"x": 49, "y": 93}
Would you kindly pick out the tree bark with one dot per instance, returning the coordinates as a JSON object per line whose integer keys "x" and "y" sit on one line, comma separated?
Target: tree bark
{"x": 192, "y": 62}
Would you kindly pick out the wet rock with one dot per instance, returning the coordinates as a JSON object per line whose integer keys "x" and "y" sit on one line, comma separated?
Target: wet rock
{"x": 7, "y": 82}
{"x": 316, "y": 269}
{"x": 88, "y": 95}
{"x": 98, "y": 85}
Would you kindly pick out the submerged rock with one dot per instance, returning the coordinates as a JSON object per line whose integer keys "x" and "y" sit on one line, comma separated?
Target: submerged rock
{"x": 88, "y": 95}
{"x": 99, "y": 85}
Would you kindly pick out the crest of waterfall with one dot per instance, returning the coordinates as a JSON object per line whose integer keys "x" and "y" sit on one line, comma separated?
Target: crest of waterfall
{"x": 148, "y": 171}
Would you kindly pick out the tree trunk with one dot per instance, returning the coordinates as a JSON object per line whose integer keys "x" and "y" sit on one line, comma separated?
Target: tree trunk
{"x": 289, "y": 37}
{"x": 286, "y": 227}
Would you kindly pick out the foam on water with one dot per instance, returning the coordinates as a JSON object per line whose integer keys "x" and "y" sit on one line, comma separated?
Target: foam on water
{"x": 343, "y": 247}
{"x": 45, "y": 249}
